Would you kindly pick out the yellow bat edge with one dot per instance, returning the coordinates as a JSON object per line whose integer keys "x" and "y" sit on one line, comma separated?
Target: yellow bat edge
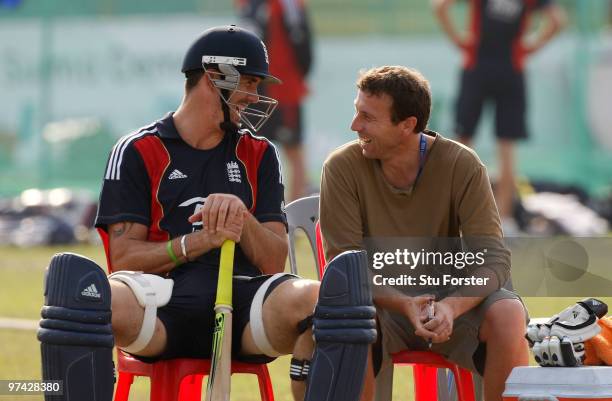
{"x": 219, "y": 380}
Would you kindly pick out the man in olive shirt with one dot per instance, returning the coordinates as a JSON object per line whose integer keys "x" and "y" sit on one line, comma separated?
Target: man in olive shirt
{"x": 400, "y": 180}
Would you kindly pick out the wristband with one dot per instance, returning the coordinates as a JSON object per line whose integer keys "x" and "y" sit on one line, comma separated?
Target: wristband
{"x": 184, "y": 247}
{"x": 171, "y": 253}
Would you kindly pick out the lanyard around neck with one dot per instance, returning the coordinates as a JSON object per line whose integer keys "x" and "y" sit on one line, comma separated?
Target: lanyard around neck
{"x": 422, "y": 151}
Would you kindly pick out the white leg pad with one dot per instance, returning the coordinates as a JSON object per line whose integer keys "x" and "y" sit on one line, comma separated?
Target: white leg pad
{"x": 256, "y": 319}
{"x": 151, "y": 291}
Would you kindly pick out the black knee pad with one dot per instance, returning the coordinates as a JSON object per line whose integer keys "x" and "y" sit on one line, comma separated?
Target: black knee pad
{"x": 75, "y": 332}
{"x": 344, "y": 328}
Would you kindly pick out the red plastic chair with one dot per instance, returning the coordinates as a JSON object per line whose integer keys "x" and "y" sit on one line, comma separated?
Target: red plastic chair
{"x": 180, "y": 379}
{"x": 424, "y": 363}
{"x": 425, "y": 366}
{"x": 177, "y": 379}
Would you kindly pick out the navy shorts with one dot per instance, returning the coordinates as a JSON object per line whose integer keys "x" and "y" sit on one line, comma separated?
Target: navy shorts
{"x": 505, "y": 88}
{"x": 189, "y": 316}
{"x": 284, "y": 125}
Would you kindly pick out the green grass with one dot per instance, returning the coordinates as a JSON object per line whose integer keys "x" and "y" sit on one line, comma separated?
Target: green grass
{"x": 21, "y": 277}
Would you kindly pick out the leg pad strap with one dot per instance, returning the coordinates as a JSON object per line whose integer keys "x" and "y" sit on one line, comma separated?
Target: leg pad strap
{"x": 151, "y": 291}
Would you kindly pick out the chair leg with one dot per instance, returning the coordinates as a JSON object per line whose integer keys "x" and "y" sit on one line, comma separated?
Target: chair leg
{"x": 122, "y": 392}
{"x": 265, "y": 384}
{"x": 425, "y": 383}
{"x": 191, "y": 388}
{"x": 446, "y": 385}
{"x": 465, "y": 385}
{"x": 165, "y": 384}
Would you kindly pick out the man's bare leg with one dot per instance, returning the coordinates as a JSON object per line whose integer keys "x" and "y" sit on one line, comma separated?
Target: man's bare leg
{"x": 505, "y": 186}
{"x": 290, "y": 303}
{"x": 127, "y": 317}
{"x": 503, "y": 331}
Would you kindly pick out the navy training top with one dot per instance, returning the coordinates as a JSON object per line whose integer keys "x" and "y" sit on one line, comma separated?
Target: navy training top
{"x": 154, "y": 178}
{"x": 497, "y": 27}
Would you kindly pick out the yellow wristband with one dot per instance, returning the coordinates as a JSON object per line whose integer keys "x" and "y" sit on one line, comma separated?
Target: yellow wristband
{"x": 171, "y": 253}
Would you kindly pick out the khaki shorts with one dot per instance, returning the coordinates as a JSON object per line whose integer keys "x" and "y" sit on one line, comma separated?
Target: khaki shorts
{"x": 398, "y": 334}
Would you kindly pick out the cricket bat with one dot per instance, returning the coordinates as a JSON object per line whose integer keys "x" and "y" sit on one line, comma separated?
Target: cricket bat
{"x": 218, "y": 388}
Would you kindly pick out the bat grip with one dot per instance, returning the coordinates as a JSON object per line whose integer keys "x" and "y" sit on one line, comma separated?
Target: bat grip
{"x": 226, "y": 272}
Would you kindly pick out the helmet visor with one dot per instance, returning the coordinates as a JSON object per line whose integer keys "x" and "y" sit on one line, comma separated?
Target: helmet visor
{"x": 252, "y": 114}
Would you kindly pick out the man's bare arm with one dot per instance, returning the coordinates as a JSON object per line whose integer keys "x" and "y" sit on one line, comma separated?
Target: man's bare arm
{"x": 555, "y": 20}
{"x": 130, "y": 250}
{"x": 265, "y": 244}
{"x": 441, "y": 11}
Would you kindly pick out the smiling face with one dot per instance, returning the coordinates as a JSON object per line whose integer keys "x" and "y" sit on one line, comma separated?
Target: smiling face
{"x": 379, "y": 138}
{"x": 243, "y": 95}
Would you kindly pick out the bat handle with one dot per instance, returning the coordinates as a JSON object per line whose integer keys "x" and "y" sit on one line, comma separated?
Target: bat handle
{"x": 226, "y": 267}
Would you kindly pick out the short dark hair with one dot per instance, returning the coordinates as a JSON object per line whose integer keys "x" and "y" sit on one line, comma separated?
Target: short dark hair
{"x": 192, "y": 77}
{"x": 408, "y": 88}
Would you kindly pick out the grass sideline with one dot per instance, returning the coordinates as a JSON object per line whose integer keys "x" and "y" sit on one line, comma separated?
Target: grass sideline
{"x": 21, "y": 278}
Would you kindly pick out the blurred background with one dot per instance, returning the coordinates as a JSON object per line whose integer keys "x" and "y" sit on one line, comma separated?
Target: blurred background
{"x": 75, "y": 76}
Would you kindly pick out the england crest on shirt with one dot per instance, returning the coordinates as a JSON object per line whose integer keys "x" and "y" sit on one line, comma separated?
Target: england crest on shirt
{"x": 504, "y": 10}
{"x": 233, "y": 172}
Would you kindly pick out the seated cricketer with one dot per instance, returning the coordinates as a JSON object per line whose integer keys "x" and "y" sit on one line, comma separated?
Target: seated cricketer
{"x": 172, "y": 193}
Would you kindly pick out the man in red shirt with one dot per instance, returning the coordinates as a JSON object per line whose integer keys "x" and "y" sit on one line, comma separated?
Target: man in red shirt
{"x": 284, "y": 26}
{"x": 494, "y": 50}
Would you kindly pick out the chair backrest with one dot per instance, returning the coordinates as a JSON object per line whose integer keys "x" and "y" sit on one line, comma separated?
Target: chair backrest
{"x": 106, "y": 242}
{"x": 303, "y": 214}
{"x": 320, "y": 251}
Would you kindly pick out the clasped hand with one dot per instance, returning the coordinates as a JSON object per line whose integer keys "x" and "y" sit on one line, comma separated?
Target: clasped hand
{"x": 223, "y": 217}
{"x": 439, "y": 328}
